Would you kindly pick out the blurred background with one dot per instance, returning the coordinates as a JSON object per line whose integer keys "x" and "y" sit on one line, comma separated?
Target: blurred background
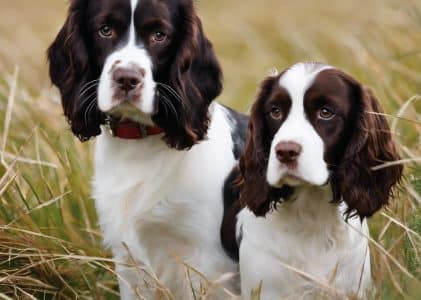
{"x": 49, "y": 241}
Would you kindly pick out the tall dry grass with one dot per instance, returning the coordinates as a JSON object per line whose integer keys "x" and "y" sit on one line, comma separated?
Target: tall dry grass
{"x": 49, "y": 240}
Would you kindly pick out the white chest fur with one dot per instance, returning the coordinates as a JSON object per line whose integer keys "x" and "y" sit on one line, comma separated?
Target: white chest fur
{"x": 165, "y": 205}
{"x": 308, "y": 236}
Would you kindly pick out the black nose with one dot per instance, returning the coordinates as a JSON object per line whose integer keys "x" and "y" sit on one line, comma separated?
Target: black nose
{"x": 288, "y": 152}
{"x": 128, "y": 79}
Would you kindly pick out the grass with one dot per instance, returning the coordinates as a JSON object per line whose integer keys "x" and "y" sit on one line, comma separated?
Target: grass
{"x": 50, "y": 245}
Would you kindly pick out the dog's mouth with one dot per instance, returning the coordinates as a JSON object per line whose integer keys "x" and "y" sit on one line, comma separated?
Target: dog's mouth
{"x": 291, "y": 180}
{"x": 295, "y": 180}
{"x": 166, "y": 102}
{"x": 304, "y": 175}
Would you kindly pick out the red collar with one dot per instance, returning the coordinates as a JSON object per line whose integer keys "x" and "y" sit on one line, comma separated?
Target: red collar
{"x": 130, "y": 130}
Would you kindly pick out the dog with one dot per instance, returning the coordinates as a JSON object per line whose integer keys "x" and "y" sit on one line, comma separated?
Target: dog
{"x": 297, "y": 203}
{"x": 140, "y": 75}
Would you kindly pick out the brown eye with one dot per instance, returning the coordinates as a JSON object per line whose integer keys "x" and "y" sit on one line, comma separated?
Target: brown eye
{"x": 105, "y": 32}
{"x": 276, "y": 112}
{"x": 159, "y": 37}
{"x": 326, "y": 113}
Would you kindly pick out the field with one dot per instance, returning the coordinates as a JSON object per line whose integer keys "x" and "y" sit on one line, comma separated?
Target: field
{"x": 50, "y": 245}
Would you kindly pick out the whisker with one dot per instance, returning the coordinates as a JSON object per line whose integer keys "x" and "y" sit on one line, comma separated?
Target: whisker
{"x": 167, "y": 97}
{"x": 82, "y": 93}
{"x": 166, "y": 88}
{"x": 169, "y": 94}
{"x": 87, "y": 84}
{"x": 332, "y": 165}
{"x": 85, "y": 116}
{"x": 88, "y": 109}
{"x": 87, "y": 99}
{"x": 170, "y": 105}
{"x": 164, "y": 104}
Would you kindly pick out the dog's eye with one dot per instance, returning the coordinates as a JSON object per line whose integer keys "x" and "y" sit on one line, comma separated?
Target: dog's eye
{"x": 326, "y": 113}
{"x": 276, "y": 112}
{"x": 159, "y": 37}
{"x": 105, "y": 32}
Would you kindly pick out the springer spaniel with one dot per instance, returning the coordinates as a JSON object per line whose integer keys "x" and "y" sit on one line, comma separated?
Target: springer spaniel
{"x": 141, "y": 75}
{"x": 297, "y": 203}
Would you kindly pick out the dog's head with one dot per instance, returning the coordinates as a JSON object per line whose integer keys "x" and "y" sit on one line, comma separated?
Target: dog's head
{"x": 313, "y": 125}
{"x": 145, "y": 60}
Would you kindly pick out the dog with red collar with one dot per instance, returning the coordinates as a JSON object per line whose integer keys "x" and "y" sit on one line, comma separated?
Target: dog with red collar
{"x": 140, "y": 76}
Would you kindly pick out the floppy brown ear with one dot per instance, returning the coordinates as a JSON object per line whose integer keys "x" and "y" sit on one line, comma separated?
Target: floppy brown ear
{"x": 364, "y": 189}
{"x": 205, "y": 70}
{"x": 70, "y": 72}
{"x": 197, "y": 77}
{"x": 254, "y": 189}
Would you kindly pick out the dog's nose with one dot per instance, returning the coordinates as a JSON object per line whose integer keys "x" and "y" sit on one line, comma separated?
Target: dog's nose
{"x": 288, "y": 152}
{"x": 128, "y": 79}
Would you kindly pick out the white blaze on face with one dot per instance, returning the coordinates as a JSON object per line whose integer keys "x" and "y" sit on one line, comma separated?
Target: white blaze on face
{"x": 311, "y": 166}
{"x": 131, "y": 55}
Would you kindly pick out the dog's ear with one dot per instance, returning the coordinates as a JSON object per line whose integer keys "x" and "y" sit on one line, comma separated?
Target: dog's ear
{"x": 205, "y": 71}
{"x": 196, "y": 76}
{"x": 254, "y": 189}
{"x": 70, "y": 72}
{"x": 364, "y": 188}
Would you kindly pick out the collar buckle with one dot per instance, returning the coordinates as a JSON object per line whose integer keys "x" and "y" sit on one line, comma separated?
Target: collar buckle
{"x": 143, "y": 131}
{"x": 108, "y": 124}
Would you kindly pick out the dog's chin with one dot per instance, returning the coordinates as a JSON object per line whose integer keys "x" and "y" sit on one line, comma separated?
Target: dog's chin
{"x": 129, "y": 111}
